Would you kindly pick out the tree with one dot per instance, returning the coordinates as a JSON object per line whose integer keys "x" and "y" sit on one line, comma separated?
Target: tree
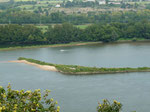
{"x": 106, "y": 106}
{"x": 26, "y": 101}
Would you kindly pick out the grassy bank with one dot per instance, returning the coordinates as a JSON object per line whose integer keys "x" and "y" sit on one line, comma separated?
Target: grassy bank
{"x": 75, "y": 69}
{"x": 4, "y": 48}
{"x": 133, "y": 40}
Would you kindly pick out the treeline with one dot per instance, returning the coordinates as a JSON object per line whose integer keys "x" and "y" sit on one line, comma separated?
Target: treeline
{"x": 44, "y": 17}
{"x": 79, "y": 4}
{"x": 17, "y": 34}
{"x": 66, "y": 33}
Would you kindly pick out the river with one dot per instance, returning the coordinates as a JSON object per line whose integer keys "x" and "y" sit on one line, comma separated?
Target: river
{"x": 82, "y": 93}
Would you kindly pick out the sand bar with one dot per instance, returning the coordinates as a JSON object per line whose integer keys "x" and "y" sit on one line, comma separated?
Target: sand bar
{"x": 43, "y": 67}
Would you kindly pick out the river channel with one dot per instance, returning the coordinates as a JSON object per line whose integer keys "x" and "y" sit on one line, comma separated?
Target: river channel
{"x": 81, "y": 93}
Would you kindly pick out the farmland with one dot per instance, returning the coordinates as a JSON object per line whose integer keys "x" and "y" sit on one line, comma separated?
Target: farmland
{"x": 36, "y": 5}
{"x": 49, "y": 6}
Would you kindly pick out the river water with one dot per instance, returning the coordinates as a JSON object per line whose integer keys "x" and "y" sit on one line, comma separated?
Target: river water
{"x": 82, "y": 93}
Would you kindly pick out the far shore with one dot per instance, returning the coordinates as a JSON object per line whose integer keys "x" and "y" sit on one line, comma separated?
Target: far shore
{"x": 69, "y": 44}
{"x": 51, "y": 45}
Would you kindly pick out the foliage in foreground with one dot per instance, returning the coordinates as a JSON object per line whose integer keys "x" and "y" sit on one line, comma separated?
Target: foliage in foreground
{"x": 26, "y": 101}
{"x": 106, "y": 106}
{"x": 32, "y": 101}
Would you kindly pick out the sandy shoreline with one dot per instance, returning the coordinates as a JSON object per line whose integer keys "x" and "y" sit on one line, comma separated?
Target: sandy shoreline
{"x": 43, "y": 67}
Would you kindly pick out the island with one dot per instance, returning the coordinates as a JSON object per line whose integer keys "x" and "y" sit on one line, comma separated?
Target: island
{"x": 78, "y": 70}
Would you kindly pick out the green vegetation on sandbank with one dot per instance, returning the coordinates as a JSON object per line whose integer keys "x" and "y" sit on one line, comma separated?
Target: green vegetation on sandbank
{"x": 79, "y": 70}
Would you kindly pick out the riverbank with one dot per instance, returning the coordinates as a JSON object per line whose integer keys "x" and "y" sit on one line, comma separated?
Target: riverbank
{"x": 71, "y": 44}
{"x": 122, "y": 40}
{"x": 78, "y": 70}
{"x": 51, "y": 45}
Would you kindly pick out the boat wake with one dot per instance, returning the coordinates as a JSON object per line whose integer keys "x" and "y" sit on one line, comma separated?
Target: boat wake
{"x": 63, "y": 50}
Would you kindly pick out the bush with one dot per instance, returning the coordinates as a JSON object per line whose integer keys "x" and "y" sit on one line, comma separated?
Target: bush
{"x": 26, "y": 101}
{"x": 33, "y": 101}
{"x": 107, "y": 107}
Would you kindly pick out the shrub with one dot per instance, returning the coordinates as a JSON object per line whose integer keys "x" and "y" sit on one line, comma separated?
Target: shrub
{"x": 106, "y": 106}
{"x": 26, "y": 101}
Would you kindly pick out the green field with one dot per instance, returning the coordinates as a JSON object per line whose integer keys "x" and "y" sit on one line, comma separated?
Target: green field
{"x": 82, "y": 26}
{"x": 42, "y": 27}
{"x": 42, "y": 2}
{"x": 26, "y": 6}
{"x": 45, "y": 5}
